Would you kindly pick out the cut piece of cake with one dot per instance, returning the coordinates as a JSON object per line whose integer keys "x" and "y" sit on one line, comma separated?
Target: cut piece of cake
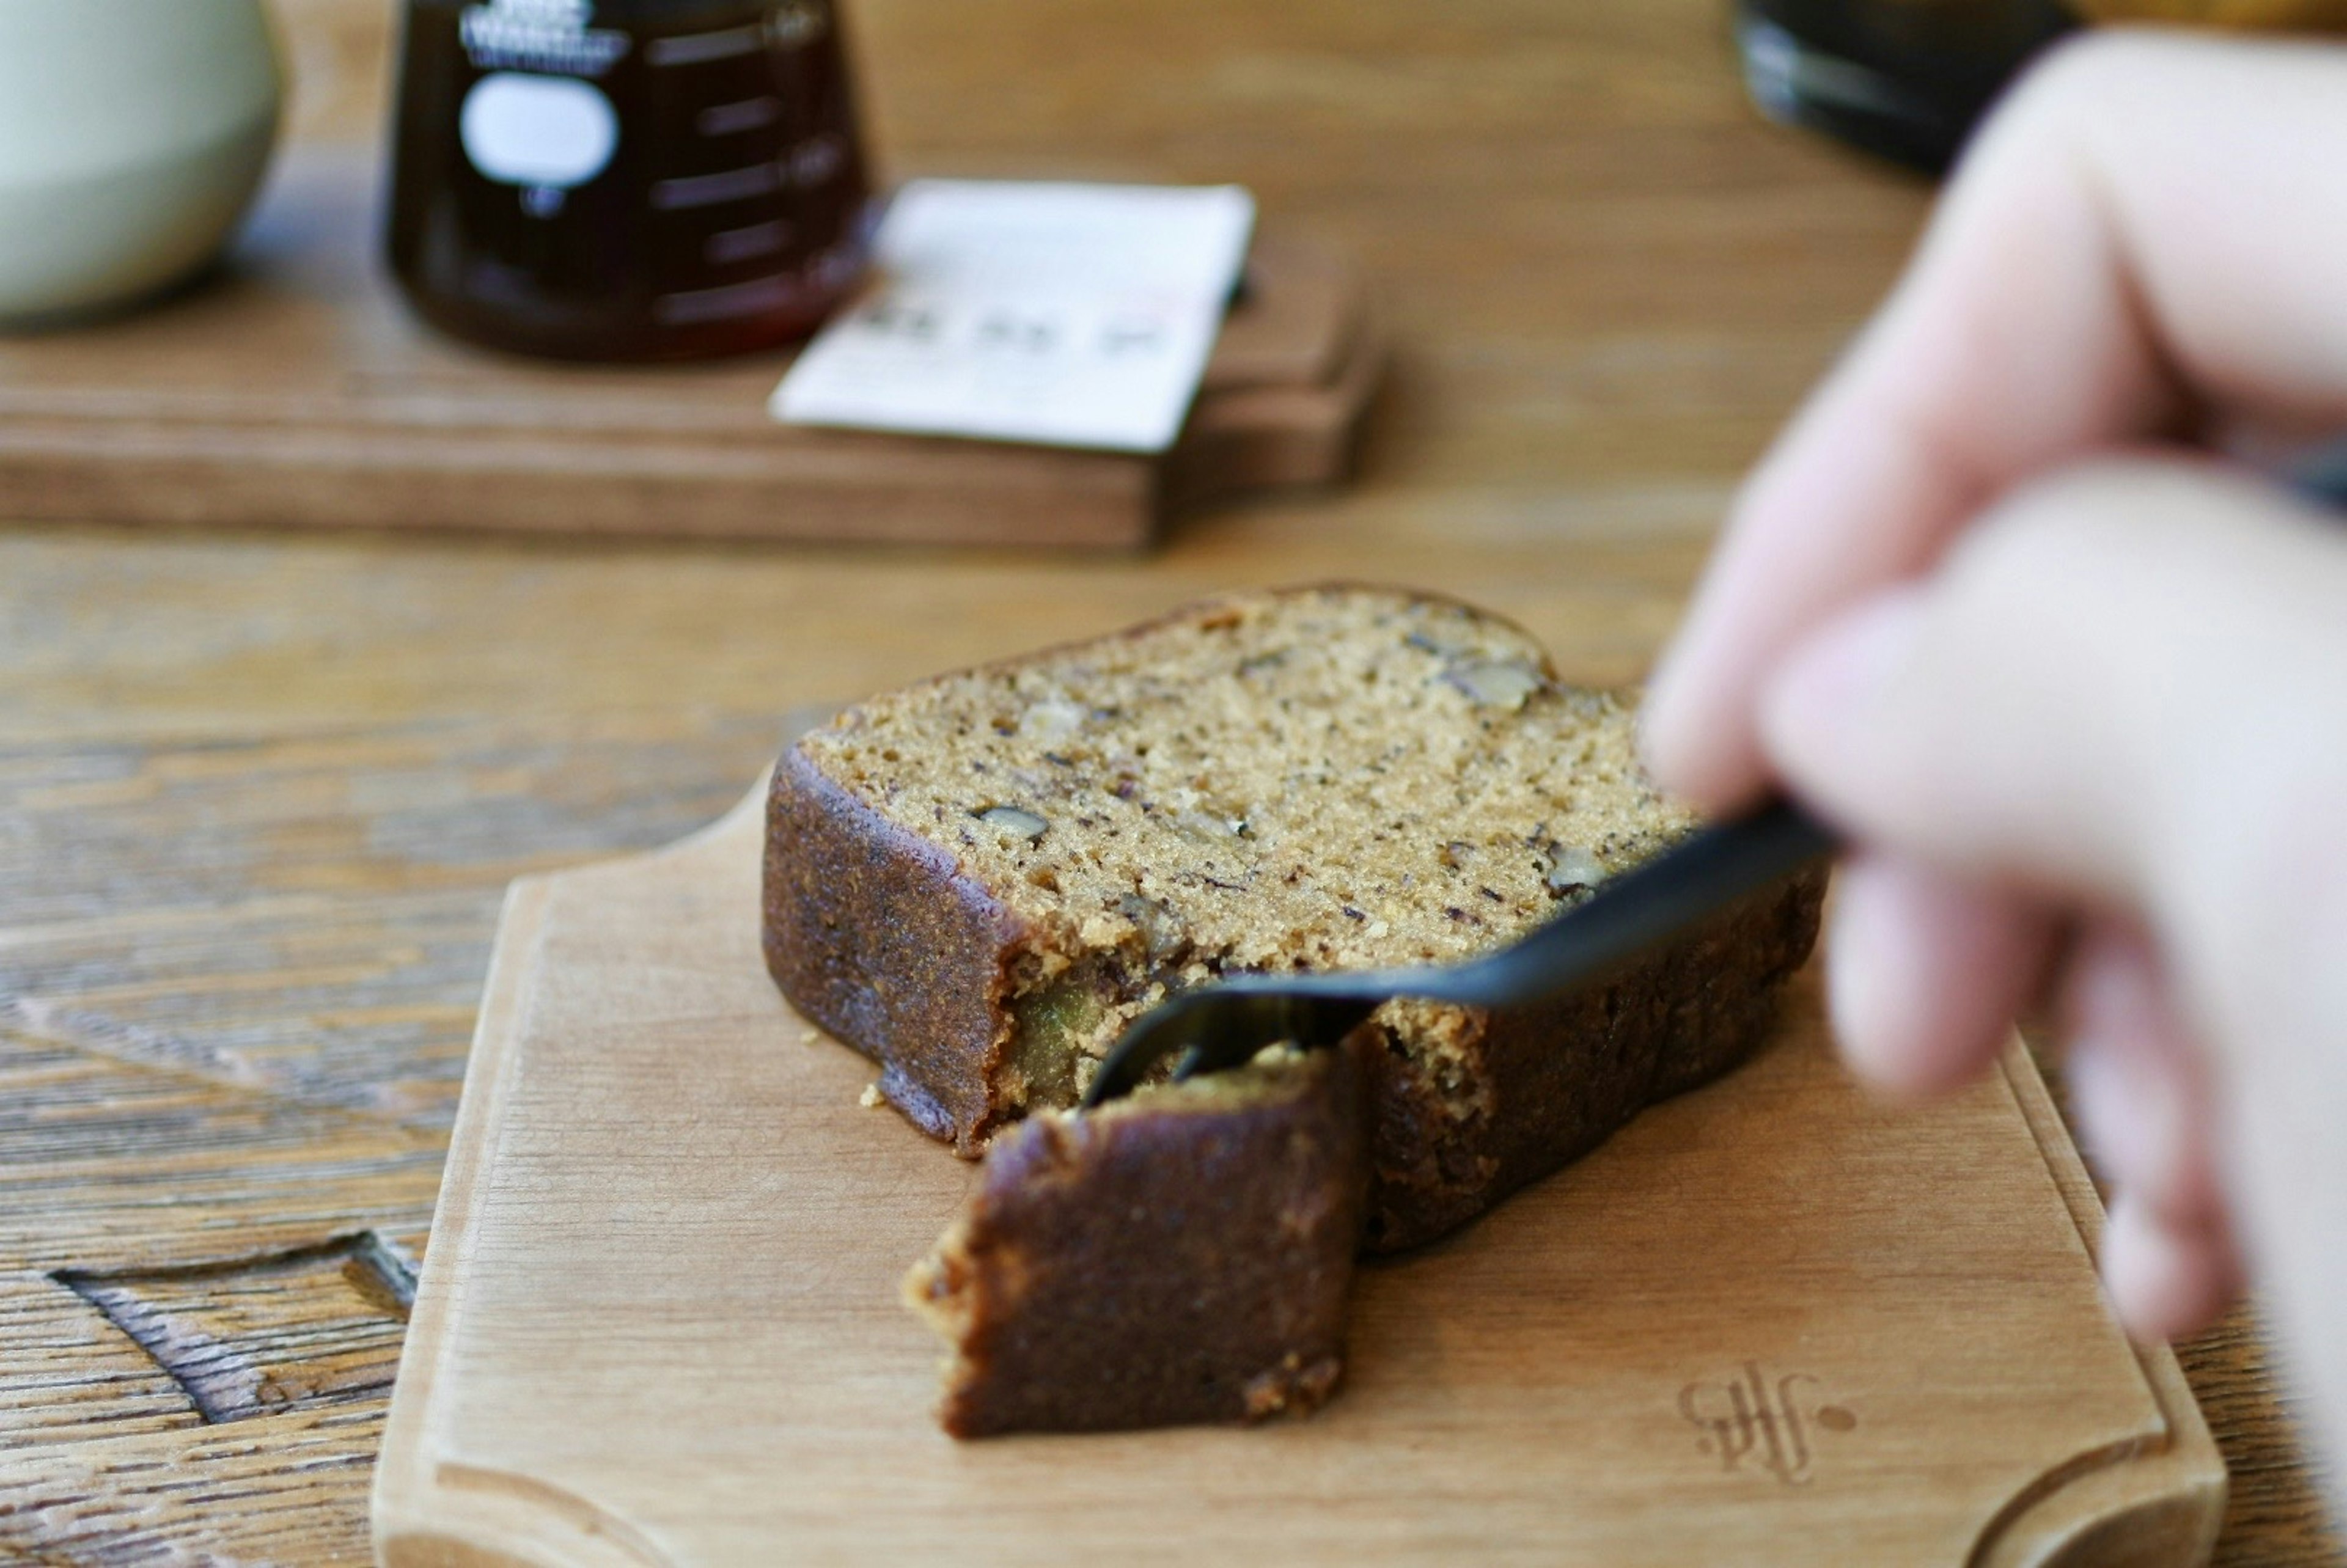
{"x": 1181, "y": 1255}
{"x": 978, "y": 880}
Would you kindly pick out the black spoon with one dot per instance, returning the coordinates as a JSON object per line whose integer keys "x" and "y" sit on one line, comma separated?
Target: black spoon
{"x": 1223, "y": 1026}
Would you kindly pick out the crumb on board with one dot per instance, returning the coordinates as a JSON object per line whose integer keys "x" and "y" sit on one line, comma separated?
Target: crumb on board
{"x": 810, "y": 1036}
{"x": 872, "y": 1099}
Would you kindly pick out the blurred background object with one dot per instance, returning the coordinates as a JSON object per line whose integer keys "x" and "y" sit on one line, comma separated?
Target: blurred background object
{"x": 2326, "y": 15}
{"x": 1905, "y": 78}
{"x": 133, "y": 136}
{"x": 1909, "y": 78}
{"x": 631, "y": 180}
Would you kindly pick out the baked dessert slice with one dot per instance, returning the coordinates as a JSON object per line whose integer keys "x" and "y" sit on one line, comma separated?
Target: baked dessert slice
{"x": 977, "y": 880}
{"x": 1181, "y": 1255}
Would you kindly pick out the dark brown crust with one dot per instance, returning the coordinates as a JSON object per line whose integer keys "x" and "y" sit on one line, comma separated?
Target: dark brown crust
{"x": 876, "y": 936}
{"x": 1155, "y": 1265}
{"x": 1555, "y": 1081}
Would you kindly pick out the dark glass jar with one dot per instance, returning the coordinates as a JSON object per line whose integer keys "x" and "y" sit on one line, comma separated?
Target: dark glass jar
{"x": 625, "y": 180}
{"x": 1905, "y": 78}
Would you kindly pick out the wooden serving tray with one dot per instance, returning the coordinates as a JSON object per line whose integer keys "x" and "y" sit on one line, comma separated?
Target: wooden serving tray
{"x": 295, "y": 389}
{"x": 1770, "y": 1323}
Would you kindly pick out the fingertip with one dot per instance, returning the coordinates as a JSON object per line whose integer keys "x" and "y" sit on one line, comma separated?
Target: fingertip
{"x": 2117, "y": 1131}
{"x": 2137, "y": 1090}
{"x": 1820, "y": 705}
{"x": 1661, "y": 748}
{"x": 1692, "y": 745}
{"x": 1925, "y": 975}
{"x": 1870, "y": 997}
{"x": 2164, "y": 1280}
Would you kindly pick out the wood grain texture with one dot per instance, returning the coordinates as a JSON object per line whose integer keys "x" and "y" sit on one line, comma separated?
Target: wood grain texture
{"x": 233, "y": 1016}
{"x": 260, "y": 793}
{"x": 1766, "y": 1323}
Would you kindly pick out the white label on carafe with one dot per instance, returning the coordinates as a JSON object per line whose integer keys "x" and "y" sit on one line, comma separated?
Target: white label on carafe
{"x": 544, "y": 36}
{"x": 541, "y": 132}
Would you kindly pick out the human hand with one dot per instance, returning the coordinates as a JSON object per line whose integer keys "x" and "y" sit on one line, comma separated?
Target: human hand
{"x": 2084, "y": 707}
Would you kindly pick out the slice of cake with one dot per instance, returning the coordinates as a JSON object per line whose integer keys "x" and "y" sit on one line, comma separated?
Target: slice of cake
{"x": 1180, "y": 1255}
{"x": 978, "y": 880}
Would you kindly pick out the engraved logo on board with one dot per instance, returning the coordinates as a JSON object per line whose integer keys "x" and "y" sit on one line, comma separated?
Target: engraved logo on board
{"x": 1766, "y": 1423}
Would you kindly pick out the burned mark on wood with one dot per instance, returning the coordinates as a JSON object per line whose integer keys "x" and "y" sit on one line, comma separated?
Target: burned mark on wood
{"x": 267, "y": 1331}
{"x": 380, "y": 1273}
{"x": 1766, "y": 1419}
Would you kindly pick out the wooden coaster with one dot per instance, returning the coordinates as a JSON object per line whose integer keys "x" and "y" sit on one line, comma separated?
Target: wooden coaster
{"x": 294, "y": 389}
{"x": 1768, "y": 1323}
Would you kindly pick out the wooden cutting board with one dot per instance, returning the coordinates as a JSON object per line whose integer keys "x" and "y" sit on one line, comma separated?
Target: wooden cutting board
{"x": 295, "y": 389}
{"x": 1770, "y": 1323}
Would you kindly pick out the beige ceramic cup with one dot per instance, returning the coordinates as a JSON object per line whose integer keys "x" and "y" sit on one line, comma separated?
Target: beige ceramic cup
{"x": 133, "y": 134}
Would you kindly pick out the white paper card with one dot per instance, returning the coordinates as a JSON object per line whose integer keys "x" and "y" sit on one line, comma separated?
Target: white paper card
{"x": 1064, "y": 314}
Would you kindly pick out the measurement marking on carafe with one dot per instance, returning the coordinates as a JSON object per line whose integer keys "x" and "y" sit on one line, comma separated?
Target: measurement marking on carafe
{"x": 728, "y": 119}
{"x": 815, "y": 159}
{"x": 693, "y": 49}
{"x": 752, "y": 298}
{"x": 730, "y": 245}
{"x": 709, "y": 190}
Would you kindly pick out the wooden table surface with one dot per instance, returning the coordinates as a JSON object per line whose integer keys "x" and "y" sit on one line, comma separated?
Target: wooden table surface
{"x": 260, "y": 793}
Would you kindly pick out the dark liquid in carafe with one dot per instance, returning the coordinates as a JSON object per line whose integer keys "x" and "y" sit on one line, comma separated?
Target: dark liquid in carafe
{"x": 1905, "y": 78}
{"x": 727, "y": 212}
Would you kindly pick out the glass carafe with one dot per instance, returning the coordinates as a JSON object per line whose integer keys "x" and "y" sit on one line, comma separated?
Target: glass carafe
{"x": 626, "y": 179}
